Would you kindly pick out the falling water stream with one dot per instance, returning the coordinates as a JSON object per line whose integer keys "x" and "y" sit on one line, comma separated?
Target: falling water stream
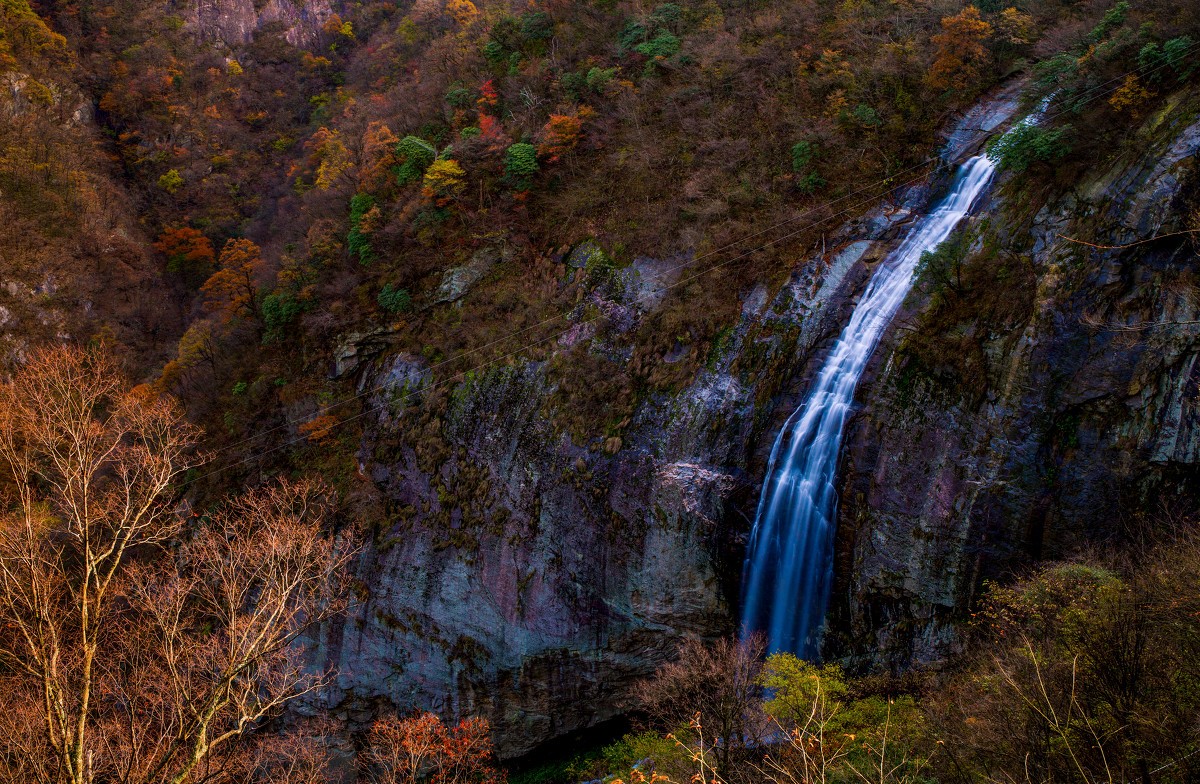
{"x": 789, "y": 559}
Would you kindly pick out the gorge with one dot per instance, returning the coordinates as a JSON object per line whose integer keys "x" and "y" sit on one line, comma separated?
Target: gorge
{"x": 587, "y": 338}
{"x": 679, "y": 487}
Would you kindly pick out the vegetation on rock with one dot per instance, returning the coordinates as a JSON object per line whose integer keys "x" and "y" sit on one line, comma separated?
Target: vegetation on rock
{"x": 559, "y": 224}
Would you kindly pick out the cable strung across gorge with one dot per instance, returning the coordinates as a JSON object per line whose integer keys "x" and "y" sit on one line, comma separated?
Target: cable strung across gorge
{"x": 888, "y": 181}
{"x": 567, "y": 313}
{"x": 460, "y": 375}
{"x": 883, "y": 181}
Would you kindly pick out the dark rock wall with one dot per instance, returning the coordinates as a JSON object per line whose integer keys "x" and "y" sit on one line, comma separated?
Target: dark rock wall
{"x": 1073, "y": 423}
{"x": 533, "y": 579}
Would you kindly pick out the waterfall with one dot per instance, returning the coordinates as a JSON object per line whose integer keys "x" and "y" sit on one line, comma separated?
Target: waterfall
{"x": 789, "y": 559}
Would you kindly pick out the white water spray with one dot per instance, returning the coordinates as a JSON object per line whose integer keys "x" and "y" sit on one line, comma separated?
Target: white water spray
{"x": 789, "y": 559}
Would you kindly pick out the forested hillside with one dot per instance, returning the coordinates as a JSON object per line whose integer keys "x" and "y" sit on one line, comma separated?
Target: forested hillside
{"x": 366, "y": 151}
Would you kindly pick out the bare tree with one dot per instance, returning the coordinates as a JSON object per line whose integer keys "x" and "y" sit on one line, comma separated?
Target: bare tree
{"x": 720, "y": 682}
{"x": 298, "y": 756}
{"x": 422, "y": 748}
{"x": 135, "y": 647}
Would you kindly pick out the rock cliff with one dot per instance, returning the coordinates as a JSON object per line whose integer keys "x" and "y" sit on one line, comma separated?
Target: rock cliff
{"x": 234, "y": 22}
{"x": 533, "y": 579}
{"x": 1044, "y": 402}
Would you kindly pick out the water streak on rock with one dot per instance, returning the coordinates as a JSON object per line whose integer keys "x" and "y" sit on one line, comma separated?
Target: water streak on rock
{"x": 789, "y": 560}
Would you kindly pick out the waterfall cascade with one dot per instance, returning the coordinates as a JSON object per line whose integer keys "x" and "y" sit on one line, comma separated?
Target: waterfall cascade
{"x": 789, "y": 559}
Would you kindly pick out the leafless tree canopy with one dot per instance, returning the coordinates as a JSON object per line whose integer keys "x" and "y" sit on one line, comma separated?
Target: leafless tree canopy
{"x": 423, "y": 748}
{"x": 720, "y": 682}
{"x": 137, "y": 645}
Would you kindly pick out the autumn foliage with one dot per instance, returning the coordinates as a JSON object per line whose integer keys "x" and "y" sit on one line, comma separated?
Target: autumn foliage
{"x": 138, "y": 644}
{"x": 559, "y": 136}
{"x": 232, "y": 291}
{"x": 319, "y": 429}
{"x": 422, "y": 748}
{"x": 443, "y": 180}
{"x": 961, "y": 54}
{"x": 189, "y": 253}
{"x": 328, "y": 158}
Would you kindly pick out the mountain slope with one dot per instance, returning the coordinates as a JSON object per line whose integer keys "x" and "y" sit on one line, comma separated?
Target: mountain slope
{"x": 1042, "y": 400}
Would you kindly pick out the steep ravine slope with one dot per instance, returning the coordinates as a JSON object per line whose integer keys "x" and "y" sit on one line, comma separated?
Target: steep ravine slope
{"x": 74, "y": 263}
{"x": 1045, "y": 402}
{"x": 531, "y": 579}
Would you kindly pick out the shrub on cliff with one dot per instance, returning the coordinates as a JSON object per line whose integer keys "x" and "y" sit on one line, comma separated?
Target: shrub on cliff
{"x": 1027, "y": 145}
{"x": 661, "y": 46}
{"x": 361, "y": 204}
{"x": 394, "y": 299}
{"x": 520, "y": 164}
{"x": 804, "y": 154}
{"x": 279, "y": 310}
{"x": 171, "y": 182}
{"x": 1174, "y": 55}
{"x": 414, "y": 155}
{"x": 940, "y": 271}
{"x": 1081, "y": 672}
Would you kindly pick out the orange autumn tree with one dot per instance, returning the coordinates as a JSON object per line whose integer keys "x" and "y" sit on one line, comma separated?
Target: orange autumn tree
{"x": 319, "y": 429}
{"x": 463, "y": 12}
{"x": 560, "y": 135}
{"x": 378, "y": 157}
{"x": 139, "y": 645}
{"x": 232, "y": 292}
{"x": 1131, "y": 96}
{"x": 189, "y": 253}
{"x": 960, "y": 50}
{"x": 422, "y": 748}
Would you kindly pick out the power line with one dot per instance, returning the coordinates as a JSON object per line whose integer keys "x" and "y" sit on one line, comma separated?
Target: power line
{"x": 566, "y": 314}
{"x": 690, "y": 262}
{"x": 463, "y": 373}
{"x": 889, "y": 180}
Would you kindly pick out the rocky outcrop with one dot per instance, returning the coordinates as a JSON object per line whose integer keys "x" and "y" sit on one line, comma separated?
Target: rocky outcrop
{"x": 457, "y": 281}
{"x": 234, "y": 22}
{"x": 1050, "y": 403}
{"x": 533, "y": 579}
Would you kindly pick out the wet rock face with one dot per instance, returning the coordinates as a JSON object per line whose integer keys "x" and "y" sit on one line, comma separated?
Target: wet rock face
{"x": 531, "y": 579}
{"x": 523, "y": 576}
{"x": 1079, "y": 418}
{"x": 234, "y": 22}
{"x": 566, "y": 575}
